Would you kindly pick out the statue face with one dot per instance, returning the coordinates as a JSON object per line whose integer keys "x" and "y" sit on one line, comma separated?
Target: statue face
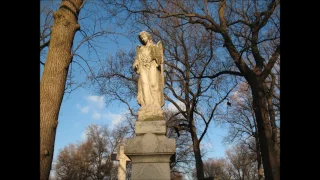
{"x": 144, "y": 38}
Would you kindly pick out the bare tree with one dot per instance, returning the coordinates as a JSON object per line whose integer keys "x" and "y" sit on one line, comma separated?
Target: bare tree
{"x": 74, "y": 161}
{"x": 91, "y": 158}
{"x": 239, "y": 164}
{"x": 216, "y": 168}
{"x": 101, "y": 152}
{"x": 241, "y": 122}
{"x": 249, "y": 31}
{"x": 242, "y": 163}
{"x": 241, "y": 117}
{"x": 54, "y": 77}
{"x": 63, "y": 53}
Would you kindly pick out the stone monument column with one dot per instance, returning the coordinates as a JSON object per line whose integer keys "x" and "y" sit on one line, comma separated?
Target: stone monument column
{"x": 150, "y": 150}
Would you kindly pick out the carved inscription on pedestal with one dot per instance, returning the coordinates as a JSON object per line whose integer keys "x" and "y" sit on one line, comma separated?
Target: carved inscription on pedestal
{"x": 156, "y": 127}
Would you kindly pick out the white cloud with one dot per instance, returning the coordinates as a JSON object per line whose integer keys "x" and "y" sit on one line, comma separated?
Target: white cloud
{"x": 98, "y": 100}
{"x": 84, "y": 135}
{"x": 115, "y": 118}
{"x": 84, "y": 110}
{"x": 96, "y": 115}
{"x": 172, "y": 107}
{"x": 206, "y": 145}
{"x": 237, "y": 97}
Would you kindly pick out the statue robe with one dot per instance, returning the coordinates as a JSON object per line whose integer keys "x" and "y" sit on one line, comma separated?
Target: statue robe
{"x": 151, "y": 75}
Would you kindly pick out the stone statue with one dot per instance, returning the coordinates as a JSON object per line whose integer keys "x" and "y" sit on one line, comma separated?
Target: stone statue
{"x": 150, "y": 151}
{"x": 149, "y": 65}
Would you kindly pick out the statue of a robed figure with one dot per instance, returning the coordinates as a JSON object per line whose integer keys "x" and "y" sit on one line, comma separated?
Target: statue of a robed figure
{"x": 150, "y": 150}
{"x": 149, "y": 65}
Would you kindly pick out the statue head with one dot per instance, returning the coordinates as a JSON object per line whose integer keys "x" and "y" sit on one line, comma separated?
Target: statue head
{"x": 144, "y": 37}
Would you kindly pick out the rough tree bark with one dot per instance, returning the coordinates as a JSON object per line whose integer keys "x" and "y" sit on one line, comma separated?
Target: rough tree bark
{"x": 269, "y": 148}
{"x": 54, "y": 76}
{"x": 197, "y": 153}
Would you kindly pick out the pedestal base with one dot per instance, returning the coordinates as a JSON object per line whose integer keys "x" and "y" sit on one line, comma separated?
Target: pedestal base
{"x": 150, "y": 156}
{"x": 150, "y": 171}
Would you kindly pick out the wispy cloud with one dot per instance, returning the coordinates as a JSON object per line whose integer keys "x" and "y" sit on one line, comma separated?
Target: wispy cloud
{"x": 96, "y": 115}
{"x": 206, "y": 145}
{"x": 95, "y": 108}
{"x": 172, "y": 107}
{"x": 98, "y": 100}
{"x": 240, "y": 94}
{"x": 115, "y": 118}
{"x": 84, "y": 135}
{"x": 84, "y": 110}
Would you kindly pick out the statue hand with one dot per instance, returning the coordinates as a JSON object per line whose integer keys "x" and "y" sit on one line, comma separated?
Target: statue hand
{"x": 136, "y": 66}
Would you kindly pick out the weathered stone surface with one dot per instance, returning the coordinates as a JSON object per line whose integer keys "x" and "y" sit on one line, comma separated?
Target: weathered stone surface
{"x": 122, "y": 158}
{"x": 150, "y": 143}
{"x": 150, "y": 114}
{"x": 151, "y": 158}
{"x": 150, "y": 155}
{"x": 148, "y": 64}
{"x": 156, "y": 127}
{"x": 150, "y": 171}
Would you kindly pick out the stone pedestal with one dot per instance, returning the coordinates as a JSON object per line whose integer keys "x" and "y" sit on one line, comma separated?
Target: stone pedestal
{"x": 152, "y": 113}
{"x": 150, "y": 151}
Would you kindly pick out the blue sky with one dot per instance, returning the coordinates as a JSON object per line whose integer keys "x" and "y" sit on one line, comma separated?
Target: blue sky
{"x": 79, "y": 110}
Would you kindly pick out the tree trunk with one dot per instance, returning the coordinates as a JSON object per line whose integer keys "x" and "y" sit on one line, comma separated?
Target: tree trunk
{"x": 269, "y": 153}
{"x": 54, "y": 76}
{"x": 273, "y": 118}
{"x": 197, "y": 154}
{"x": 269, "y": 149}
{"x": 259, "y": 167}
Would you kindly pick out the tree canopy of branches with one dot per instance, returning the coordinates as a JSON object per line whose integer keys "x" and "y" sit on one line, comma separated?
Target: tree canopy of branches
{"x": 249, "y": 32}
{"x": 216, "y": 168}
{"x": 89, "y": 43}
{"x": 239, "y": 164}
{"x": 242, "y": 162}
